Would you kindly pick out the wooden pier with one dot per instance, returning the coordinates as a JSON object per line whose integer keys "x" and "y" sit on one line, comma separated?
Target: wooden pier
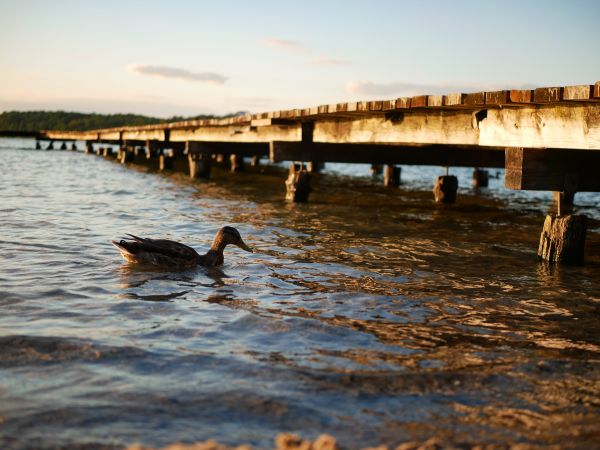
{"x": 547, "y": 139}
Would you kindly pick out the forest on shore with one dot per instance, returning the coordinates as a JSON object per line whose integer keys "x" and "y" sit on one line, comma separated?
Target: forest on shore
{"x": 33, "y": 121}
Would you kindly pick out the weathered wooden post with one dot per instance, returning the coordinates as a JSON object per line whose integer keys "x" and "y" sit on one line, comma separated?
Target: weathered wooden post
{"x": 50, "y": 146}
{"x": 315, "y": 166}
{"x": 108, "y": 152}
{"x": 563, "y": 239}
{"x": 480, "y": 178}
{"x": 376, "y": 169}
{"x": 391, "y": 175}
{"x": 38, "y": 146}
{"x": 445, "y": 189}
{"x": 297, "y": 184}
{"x": 100, "y": 151}
{"x": 152, "y": 149}
{"x": 254, "y": 161}
{"x": 89, "y": 147}
{"x": 139, "y": 151}
{"x": 200, "y": 163}
{"x": 73, "y": 146}
{"x": 236, "y": 163}
{"x": 563, "y": 236}
{"x": 165, "y": 161}
{"x": 566, "y": 200}
{"x": 63, "y": 146}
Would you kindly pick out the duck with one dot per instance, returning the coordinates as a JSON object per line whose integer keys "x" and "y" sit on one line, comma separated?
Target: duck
{"x": 171, "y": 254}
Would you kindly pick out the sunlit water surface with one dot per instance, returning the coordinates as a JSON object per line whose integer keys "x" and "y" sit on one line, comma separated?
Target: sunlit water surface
{"x": 370, "y": 314}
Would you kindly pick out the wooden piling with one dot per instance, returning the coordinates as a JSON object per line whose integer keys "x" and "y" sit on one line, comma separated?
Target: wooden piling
{"x": 297, "y": 184}
{"x": 391, "y": 176}
{"x": 63, "y": 146}
{"x": 100, "y": 151}
{"x": 445, "y": 189}
{"x": 165, "y": 162}
{"x": 563, "y": 239}
{"x": 200, "y": 165}
{"x": 236, "y": 163}
{"x": 107, "y": 153}
{"x": 38, "y": 146}
{"x": 480, "y": 178}
{"x": 50, "y": 146}
{"x": 376, "y": 169}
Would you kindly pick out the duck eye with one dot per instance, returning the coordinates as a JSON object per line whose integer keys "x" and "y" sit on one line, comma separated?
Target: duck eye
{"x": 122, "y": 242}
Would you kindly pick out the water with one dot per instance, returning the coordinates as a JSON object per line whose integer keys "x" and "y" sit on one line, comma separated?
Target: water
{"x": 370, "y": 314}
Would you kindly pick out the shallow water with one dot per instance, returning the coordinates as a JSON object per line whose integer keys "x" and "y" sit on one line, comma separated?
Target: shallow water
{"x": 370, "y": 314}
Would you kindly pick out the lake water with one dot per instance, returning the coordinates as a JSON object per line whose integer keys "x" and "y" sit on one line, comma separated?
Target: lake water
{"x": 370, "y": 314}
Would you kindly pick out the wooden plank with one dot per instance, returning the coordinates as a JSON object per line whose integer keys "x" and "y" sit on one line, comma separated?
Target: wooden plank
{"x": 403, "y": 102}
{"x": 455, "y": 99}
{"x": 548, "y": 94}
{"x": 563, "y": 125}
{"x": 376, "y": 105}
{"x": 388, "y": 105}
{"x": 597, "y": 89}
{"x": 268, "y": 122}
{"x": 419, "y": 101}
{"x": 521, "y": 95}
{"x": 497, "y": 97}
{"x": 474, "y": 98}
{"x": 229, "y": 148}
{"x": 362, "y": 106}
{"x": 552, "y": 169}
{"x": 581, "y": 92}
{"x": 434, "y": 100}
{"x": 437, "y": 155}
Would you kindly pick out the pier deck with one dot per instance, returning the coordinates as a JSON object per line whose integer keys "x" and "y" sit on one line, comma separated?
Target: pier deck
{"x": 482, "y": 129}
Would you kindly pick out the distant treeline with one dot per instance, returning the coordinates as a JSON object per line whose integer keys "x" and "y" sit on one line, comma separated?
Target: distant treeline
{"x": 72, "y": 121}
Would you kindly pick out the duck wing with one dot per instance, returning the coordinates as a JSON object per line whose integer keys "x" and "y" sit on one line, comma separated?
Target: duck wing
{"x": 158, "y": 251}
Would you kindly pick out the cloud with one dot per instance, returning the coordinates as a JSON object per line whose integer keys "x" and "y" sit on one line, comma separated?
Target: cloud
{"x": 284, "y": 44}
{"x": 329, "y": 62}
{"x": 174, "y": 72}
{"x": 369, "y": 88}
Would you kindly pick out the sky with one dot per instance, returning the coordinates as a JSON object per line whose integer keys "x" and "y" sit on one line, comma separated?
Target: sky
{"x": 178, "y": 57}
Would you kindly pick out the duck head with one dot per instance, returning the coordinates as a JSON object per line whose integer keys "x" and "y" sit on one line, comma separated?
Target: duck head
{"x": 229, "y": 235}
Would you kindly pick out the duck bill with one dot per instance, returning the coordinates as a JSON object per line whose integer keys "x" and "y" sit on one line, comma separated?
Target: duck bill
{"x": 243, "y": 246}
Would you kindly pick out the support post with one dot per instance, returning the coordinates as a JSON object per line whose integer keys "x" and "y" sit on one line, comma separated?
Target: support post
{"x": 297, "y": 184}
{"x": 376, "y": 169}
{"x": 254, "y": 161}
{"x": 165, "y": 161}
{"x": 315, "y": 166}
{"x": 445, "y": 189}
{"x": 108, "y": 152}
{"x": 563, "y": 239}
{"x": 63, "y": 146}
{"x": 50, "y": 146}
{"x": 480, "y": 178}
{"x": 236, "y": 163}
{"x": 89, "y": 147}
{"x": 100, "y": 151}
{"x": 200, "y": 165}
{"x": 38, "y": 146}
{"x": 564, "y": 201}
{"x": 391, "y": 176}
{"x": 125, "y": 155}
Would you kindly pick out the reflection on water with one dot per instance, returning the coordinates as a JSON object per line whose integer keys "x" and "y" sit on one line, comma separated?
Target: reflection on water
{"x": 370, "y": 314}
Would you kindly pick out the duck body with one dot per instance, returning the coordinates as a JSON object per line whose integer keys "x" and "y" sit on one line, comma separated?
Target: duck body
{"x": 171, "y": 254}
